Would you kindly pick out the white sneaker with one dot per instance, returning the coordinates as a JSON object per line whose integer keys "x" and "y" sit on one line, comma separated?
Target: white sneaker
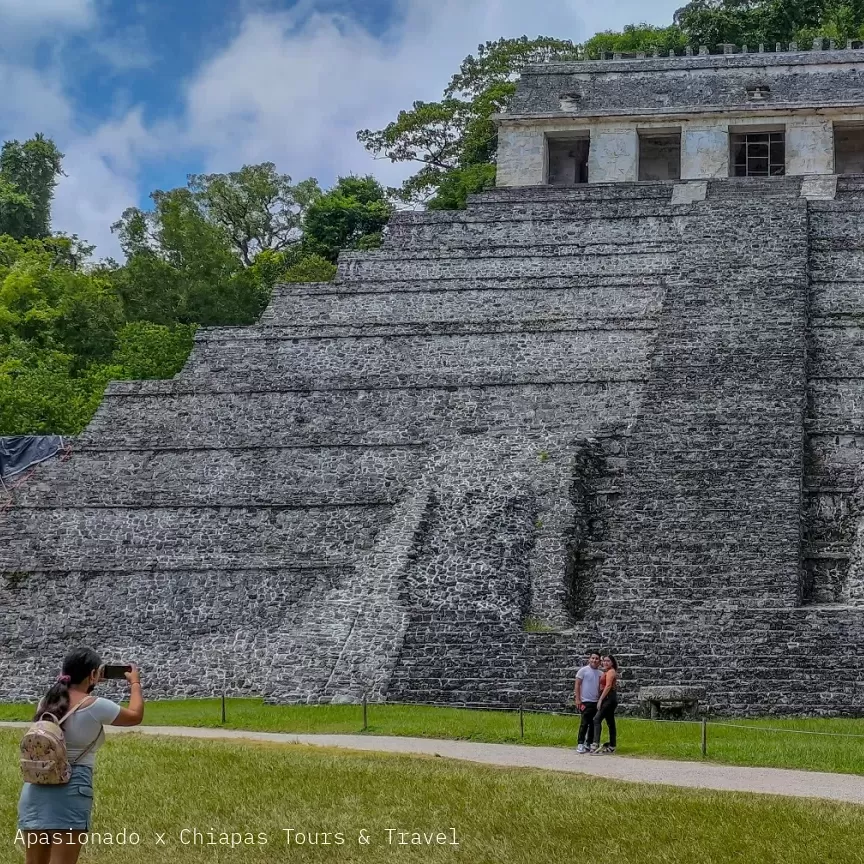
{"x": 581, "y": 749}
{"x": 592, "y": 749}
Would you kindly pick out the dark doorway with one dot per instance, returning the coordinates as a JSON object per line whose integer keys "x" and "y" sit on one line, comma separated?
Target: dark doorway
{"x": 568, "y": 161}
{"x": 660, "y": 156}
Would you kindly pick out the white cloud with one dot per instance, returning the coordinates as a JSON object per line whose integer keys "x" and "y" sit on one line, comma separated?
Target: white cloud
{"x": 77, "y": 13}
{"x": 30, "y": 102}
{"x": 101, "y": 165}
{"x": 25, "y": 24}
{"x": 102, "y": 179}
{"x": 294, "y": 88}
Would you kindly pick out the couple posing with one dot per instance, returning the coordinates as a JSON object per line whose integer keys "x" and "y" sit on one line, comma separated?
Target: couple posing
{"x": 596, "y": 698}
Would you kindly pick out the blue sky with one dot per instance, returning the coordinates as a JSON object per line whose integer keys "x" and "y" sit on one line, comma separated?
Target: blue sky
{"x": 139, "y": 93}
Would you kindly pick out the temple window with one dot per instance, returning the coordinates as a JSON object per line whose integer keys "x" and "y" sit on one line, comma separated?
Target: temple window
{"x": 758, "y": 154}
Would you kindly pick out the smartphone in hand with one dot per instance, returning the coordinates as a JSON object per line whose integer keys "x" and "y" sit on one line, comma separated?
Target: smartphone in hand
{"x": 115, "y": 672}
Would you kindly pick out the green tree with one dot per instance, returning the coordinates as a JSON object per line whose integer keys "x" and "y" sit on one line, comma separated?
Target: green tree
{"x": 59, "y": 324}
{"x": 310, "y": 268}
{"x": 637, "y": 37}
{"x": 351, "y": 215}
{"x": 16, "y": 210}
{"x": 182, "y": 268}
{"x": 28, "y": 176}
{"x": 451, "y": 137}
{"x": 48, "y": 301}
{"x": 42, "y": 394}
{"x": 146, "y": 350}
{"x": 257, "y": 207}
{"x": 754, "y": 22}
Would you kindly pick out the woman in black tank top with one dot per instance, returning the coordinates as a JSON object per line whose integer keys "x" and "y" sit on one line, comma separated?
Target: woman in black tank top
{"x": 607, "y": 703}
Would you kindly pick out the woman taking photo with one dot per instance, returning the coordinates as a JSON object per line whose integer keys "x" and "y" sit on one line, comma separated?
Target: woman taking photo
{"x": 607, "y": 704}
{"x": 62, "y": 811}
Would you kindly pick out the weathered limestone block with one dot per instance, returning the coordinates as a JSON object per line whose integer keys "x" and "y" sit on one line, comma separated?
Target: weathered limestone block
{"x": 819, "y": 187}
{"x": 614, "y": 155}
{"x": 522, "y": 157}
{"x": 689, "y": 193}
{"x": 679, "y": 696}
{"x": 666, "y": 693}
{"x": 810, "y": 146}
{"x": 704, "y": 151}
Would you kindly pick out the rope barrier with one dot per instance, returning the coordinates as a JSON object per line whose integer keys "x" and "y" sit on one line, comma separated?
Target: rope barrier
{"x": 625, "y": 717}
{"x": 787, "y": 731}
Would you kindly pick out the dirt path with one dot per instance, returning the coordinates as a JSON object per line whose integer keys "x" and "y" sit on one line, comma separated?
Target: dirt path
{"x": 696, "y": 775}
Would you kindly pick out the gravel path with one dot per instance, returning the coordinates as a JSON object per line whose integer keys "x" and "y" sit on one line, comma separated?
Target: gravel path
{"x": 695, "y": 775}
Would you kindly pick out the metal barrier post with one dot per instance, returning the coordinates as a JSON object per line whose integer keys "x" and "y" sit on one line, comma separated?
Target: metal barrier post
{"x": 224, "y": 677}
{"x": 704, "y": 736}
{"x": 522, "y": 719}
{"x": 365, "y": 714}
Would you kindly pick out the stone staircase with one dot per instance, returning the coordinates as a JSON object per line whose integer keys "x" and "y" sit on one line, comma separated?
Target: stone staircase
{"x": 372, "y": 489}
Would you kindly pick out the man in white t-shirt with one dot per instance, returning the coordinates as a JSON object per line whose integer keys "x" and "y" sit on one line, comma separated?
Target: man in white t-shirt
{"x": 586, "y": 692}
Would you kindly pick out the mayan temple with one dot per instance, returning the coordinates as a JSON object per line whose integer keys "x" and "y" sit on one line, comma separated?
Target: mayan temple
{"x": 617, "y": 402}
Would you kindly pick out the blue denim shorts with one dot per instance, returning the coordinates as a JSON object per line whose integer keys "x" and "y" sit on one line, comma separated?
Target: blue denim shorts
{"x": 67, "y": 807}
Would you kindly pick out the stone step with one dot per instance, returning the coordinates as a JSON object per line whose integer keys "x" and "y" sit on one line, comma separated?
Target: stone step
{"x": 177, "y": 538}
{"x": 220, "y": 477}
{"x": 735, "y": 188}
{"x": 840, "y": 399}
{"x": 839, "y": 265}
{"x": 480, "y": 326}
{"x": 412, "y": 231}
{"x": 445, "y": 303}
{"x": 836, "y": 352}
{"x": 356, "y": 632}
{"x": 198, "y": 630}
{"x": 842, "y": 223}
{"x": 850, "y": 186}
{"x": 543, "y": 261}
{"x": 370, "y": 285}
{"x": 600, "y": 192}
{"x": 553, "y": 210}
{"x": 497, "y": 358}
{"x": 170, "y": 414}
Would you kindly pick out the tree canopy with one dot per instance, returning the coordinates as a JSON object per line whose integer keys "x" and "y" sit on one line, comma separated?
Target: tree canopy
{"x": 754, "y": 22}
{"x": 207, "y": 253}
{"x": 351, "y": 215}
{"x": 28, "y": 175}
{"x": 450, "y": 138}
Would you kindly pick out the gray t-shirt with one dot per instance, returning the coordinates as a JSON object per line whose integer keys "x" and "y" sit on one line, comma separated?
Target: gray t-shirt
{"x": 85, "y": 726}
{"x": 590, "y": 679}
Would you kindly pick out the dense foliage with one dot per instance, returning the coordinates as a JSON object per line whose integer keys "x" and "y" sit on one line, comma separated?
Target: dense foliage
{"x": 28, "y": 175}
{"x": 205, "y": 254}
{"x": 454, "y": 140}
{"x": 751, "y": 22}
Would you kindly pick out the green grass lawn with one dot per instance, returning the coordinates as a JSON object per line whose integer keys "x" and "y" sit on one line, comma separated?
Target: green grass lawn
{"x": 164, "y": 785}
{"x": 736, "y": 746}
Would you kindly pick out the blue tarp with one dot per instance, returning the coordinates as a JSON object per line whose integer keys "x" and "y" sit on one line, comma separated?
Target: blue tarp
{"x": 17, "y": 454}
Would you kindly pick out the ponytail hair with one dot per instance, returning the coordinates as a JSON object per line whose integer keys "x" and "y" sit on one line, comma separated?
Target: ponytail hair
{"x": 77, "y": 667}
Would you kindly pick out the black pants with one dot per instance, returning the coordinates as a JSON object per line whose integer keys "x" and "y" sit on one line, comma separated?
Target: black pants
{"x": 607, "y": 713}
{"x": 586, "y": 727}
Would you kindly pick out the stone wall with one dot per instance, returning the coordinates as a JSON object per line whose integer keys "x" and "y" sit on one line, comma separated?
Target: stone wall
{"x": 694, "y": 84}
{"x": 593, "y": 411}
{"x": 702, "y": 98}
